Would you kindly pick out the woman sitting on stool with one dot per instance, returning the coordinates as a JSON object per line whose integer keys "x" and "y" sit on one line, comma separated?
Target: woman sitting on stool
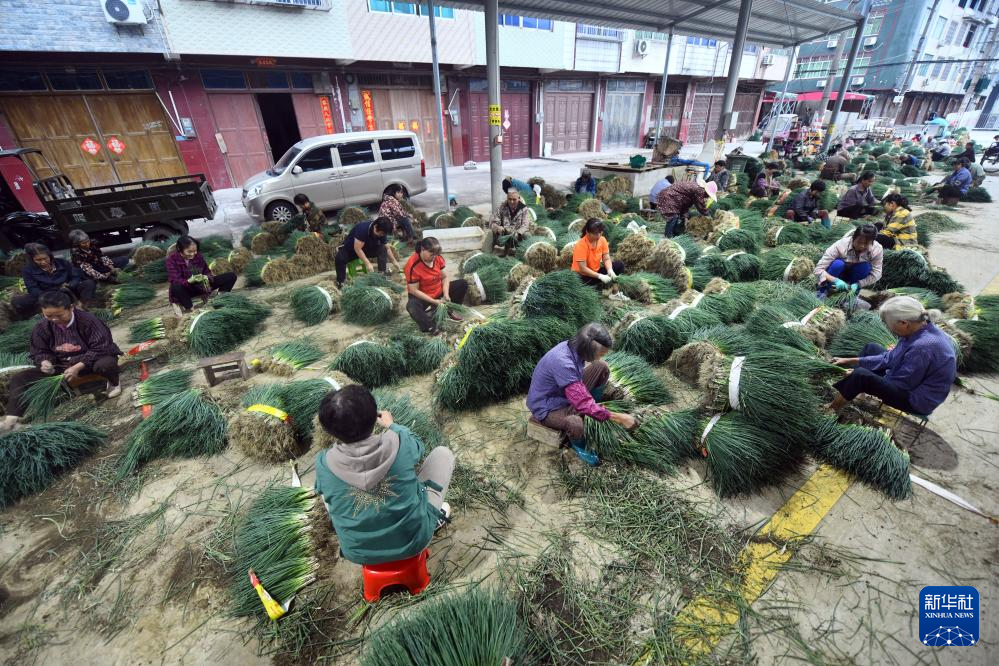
{"x": 428, "y": 285}
{"x": 91, "y": 261}
{"x": 66, "y": 341}
{"x": 189, "y": 276}
{"x": 563, "y": 391}
{"x": 852, "y": 262}
{"x": 591, "y": 256}
{"x": 915, "y": 375}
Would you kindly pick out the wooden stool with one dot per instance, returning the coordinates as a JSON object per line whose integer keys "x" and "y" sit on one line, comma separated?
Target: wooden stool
{"x": 235, "y": 361}
{"x": 544, "y": 434}
{"x": 411, "y": 573}
{"x": 86, "y": 385}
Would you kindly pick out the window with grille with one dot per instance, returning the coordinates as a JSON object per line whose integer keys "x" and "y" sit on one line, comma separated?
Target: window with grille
{"x": 513, "y": 21}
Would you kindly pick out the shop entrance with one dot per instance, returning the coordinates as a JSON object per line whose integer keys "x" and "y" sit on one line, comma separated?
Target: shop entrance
{"x": 277, "y": 110}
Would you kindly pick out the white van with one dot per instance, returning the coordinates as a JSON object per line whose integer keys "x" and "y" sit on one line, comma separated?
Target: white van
{"x": 337, "y": 170}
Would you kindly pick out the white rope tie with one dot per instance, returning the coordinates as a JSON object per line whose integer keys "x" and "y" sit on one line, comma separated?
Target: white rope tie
{"x": 679, "y": 309}
{"x": 707, "y": 428}
{"x": 195, "y": 320}
{"x": 332, "y": 382}
{"x": 734, "y": 375}
{"x": 385, "y": 294}
{"x": 326, "y": 294}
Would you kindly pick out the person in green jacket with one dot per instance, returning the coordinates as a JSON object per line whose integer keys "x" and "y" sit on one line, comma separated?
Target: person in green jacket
{"x": 383, "y": 509}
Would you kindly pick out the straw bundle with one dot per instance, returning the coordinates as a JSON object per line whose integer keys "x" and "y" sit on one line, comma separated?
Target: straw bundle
{"x": 471, "y": 626}
{"x": 563, "y": 295}
{"x": 368, "y": 306}
{"x": 32, "y": 458}
{"x": 371, "y": 363}
{"x": 352, "y": 215}
{"x": 497, "y": 360}
{"x": 145, "y": 254}
{"x": 162, "y": 386}
{"x": 274, "y": 540}
{"x": 188, "y": 424}
{"x": 239, "y": 258}
{"x": 539, "y": 252}
{"x": 742, "y": 456}
{"x": 863, "y": 327}
{"x": 313, "y": 304}
{"x": 520, "y": 274}
{"x": 591, "y": 208}
{"x": 867, "y": 453}
{"x": 783, "y": 264}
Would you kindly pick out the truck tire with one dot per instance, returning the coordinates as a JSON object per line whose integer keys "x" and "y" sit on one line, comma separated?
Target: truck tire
{"x": 160, "y": 233}
{"x": 280, "y": 211}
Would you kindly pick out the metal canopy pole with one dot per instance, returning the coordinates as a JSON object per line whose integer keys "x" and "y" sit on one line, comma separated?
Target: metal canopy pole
{"x": 662, "y": 93}
{"x": 844, "y": 83}
{"x": 437, "y": 102}
{"x": 780, "y": 105}
{"x": 493, "y": 81}
{"x": 735, "y": 62}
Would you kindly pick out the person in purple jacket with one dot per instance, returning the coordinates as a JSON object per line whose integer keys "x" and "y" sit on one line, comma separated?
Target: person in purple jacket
{"x": 67, "y": 341}
{"x": 189, "y": 276}
{"x": 915, "y": 375}
{"x": 564, "y": 388}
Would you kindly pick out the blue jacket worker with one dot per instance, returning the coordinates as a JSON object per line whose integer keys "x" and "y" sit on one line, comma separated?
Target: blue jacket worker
{"x": 44, "y": 272}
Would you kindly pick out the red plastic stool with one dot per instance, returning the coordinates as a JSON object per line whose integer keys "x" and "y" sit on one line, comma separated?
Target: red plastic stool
{"x": 411, "y": 573}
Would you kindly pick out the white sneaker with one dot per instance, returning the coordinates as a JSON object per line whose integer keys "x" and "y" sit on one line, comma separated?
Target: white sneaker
{"x": 114, "y": 391}
{"x": 177, "y": 310}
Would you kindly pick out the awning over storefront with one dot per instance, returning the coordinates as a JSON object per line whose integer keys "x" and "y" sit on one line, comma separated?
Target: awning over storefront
{"x": 833, "y": 96}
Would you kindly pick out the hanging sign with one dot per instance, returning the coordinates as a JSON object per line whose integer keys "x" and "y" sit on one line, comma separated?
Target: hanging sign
{"x": 90, "y": 146}
{"x": 368, "y": 106}
{"x": 324, "y": 106}
{"x": 401, "y": 125}
{"x": 116, "y": 145}
{"x": 414, "y": 125}
{"x": 495, "y": 117}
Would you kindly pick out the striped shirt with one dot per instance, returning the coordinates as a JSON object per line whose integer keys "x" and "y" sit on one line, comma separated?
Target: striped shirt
{"x": 679, "y": 197}
{"x": 85, "y": 331}
{"x": 902, "y": 227}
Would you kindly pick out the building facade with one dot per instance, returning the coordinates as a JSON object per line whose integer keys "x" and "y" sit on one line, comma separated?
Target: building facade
{"x": 224, "y": 87}
{"x": 918, "y": 57}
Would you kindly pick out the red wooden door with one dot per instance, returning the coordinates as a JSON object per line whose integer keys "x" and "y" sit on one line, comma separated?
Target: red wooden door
{"x": 236, "y": 119}
{"x": 516, "y": 107}
{"x": 568, "y": 120}
{"x": 309, "y": 114}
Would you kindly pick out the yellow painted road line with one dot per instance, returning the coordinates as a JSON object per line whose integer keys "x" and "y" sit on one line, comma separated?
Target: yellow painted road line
{"x": 992, "y": 288}
{"x": 706, "y": 619}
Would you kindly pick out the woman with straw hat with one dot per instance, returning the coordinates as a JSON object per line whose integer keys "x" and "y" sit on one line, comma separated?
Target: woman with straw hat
{"x": 675, "y": 202}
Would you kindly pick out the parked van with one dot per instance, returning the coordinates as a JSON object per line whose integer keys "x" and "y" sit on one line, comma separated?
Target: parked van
{"x": 337, "y": 170}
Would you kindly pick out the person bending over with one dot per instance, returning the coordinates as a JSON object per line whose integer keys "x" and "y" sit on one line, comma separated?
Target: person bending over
{"x": 591, "y": 256}
{"x": 382, "y": 507}
{"x": 660, "y": 185}
{"x": 44, "y": 272}
{"x": 805, "y": 205}
{"x": 91, "y": 261}
{"x": 512, "y": 222}
{"x": 311, "y": 218}
{"x": 675, "y": 202}
{"x": 392, "y": 209}
{"x": 429, "y": 285}
{"x": 851, "y": 263}
{"x": 859, "y": 200}
{"x": 67, "y": 341}
{"x": 915, "y": 375}
{"x": 564, "y": 389}
{"x": 366, "y": 240}
{"x": 190, "y": 277}
{"x": 899, "y": 227}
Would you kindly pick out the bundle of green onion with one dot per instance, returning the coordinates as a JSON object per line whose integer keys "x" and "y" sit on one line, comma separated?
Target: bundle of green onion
{"x": 276, "y": 420}
{"x": 371, "y": 363}
{"x": 17, "y": 338}
{"x": 147, "y": 329}
{"x": 313, "y": 304}
{"x": 632, "y": 379}
{"x": 405, "y": 413}
{"x": 862, "y": 328}
{"x": 646, "y": 287}
{"x": 867, "y": 453}
{"x": 31, "y": 458}
{"x": 742, "y": 456}
{"x": 130, "y": 295}
{"x": 233, "y": 320}
{"x": 163, "y": 386}
{"x": 41, "y": 397}
{"x": 475, "y": 625}
{"x": 288, "y": 357}
{"x": 187, "y": 425}
{"x": 273, "y": 539}
{"x": 421, "y": 354}
{"x": 368, "y": 306}
{"x": 562, "y": 295}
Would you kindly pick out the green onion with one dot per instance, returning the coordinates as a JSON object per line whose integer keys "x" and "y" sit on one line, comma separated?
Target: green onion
{"x": 371, "y": 363}
{"x": 31, "y": 458}
{"x": 162, "y": 386}
{"x": 867, "y": 453}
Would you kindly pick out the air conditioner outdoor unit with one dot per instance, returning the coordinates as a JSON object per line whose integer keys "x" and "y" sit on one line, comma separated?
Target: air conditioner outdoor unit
{"x": 641, "y": 47}
{"x": 856, "y": 81}
{"x": 870, "y": 41}
{"x": 821, "y": 83}
{"x": 831, "y": 44}
{"x": 768, "y": 59}
{"x": 124, "y": 12}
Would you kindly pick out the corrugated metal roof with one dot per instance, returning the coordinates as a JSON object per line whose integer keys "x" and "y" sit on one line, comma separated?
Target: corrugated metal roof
{"x": 773, "y": 22}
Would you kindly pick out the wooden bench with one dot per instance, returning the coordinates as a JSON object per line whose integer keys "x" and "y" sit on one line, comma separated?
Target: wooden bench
{"x": 215, "y": 365}
{"x": 544, "y": 434}
{"x": 86, "y": 385}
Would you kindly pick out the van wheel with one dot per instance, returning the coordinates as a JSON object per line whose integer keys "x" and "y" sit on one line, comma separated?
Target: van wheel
{"x": 280, "y": 211}
{"x": 159, "y": 233}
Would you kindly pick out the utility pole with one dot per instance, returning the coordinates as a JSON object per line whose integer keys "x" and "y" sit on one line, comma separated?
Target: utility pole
{"x": 917, "y": 55}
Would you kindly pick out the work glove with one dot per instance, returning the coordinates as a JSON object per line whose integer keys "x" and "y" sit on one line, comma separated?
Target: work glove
{"x": 606, "y": 279}
{"x": 841, "y": 285}
{"x": 612, "y": 274}
{"x": 854, "y": 288}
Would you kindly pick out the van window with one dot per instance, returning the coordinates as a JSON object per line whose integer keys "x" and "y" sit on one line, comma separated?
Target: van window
{"x": 317, "y": 159}
{"x": 396, "y": 149}
{"x": 356, "y": 152}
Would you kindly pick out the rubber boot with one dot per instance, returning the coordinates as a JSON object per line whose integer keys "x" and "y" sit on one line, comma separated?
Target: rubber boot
{"x": 588, "y": 457}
